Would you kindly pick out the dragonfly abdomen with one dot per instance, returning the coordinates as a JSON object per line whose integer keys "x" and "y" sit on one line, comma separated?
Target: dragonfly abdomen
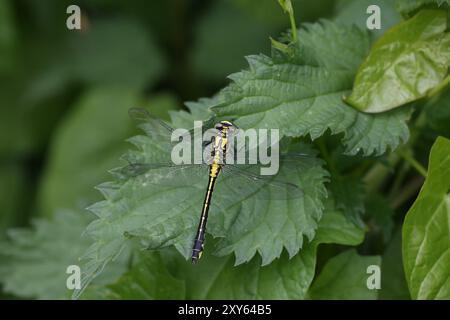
{"x": 201, "y": 230}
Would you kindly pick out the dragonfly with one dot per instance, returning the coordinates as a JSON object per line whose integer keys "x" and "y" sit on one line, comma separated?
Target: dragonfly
{"x": 239, "y": 181}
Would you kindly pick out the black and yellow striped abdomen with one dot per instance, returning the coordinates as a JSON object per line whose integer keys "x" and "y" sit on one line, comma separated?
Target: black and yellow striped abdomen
{"x": 219, "y": 150}
{"x": 201, "y": 230}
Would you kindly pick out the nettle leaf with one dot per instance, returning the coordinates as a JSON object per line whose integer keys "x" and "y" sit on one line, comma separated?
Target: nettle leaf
{"x": 405, "y": 64}
{"x": 409, "y": 7}
{"x": 148, "y": 279}
{"x": 349, "y": 195}
{"x": 426, "y": 233}
{"x": 284, "y": 278}
{"x": 35, "y": 261}
{"x": 345, "y": 277}
{"x": 136, "y": 209}
{"x": 301, "y": 92}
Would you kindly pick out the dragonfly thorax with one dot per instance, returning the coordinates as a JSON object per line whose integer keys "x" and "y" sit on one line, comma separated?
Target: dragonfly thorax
{"x": 221, "y": 141}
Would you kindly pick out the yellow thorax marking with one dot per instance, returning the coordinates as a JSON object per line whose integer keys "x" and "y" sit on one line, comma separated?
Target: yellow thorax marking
{"x": 220, "y": 144}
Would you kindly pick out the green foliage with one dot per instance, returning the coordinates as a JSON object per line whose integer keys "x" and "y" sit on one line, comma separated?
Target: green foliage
{"x": 438, "y": 113}
{"x": 349, "y": 195}
{"x": 35, "y": 261}
{"x": 379, "y": 216}
{"x": 344, "y": 277}
{"x": 93, "y": 55}
{"x": 409, "y": 7}
{"x": 405, "y": 64}
{"x": 426, "y": 236}
{"x": 216, "y": 42}
{"x": 133, "y": 209}
{"x": 253, "y": 281}
{"x": 393, "y": 282}
{"x": 64, "y": 96}
{"x": 355, "y": 12}
{"x": 222, "y": 280}
{"x": 302, "y": 94}
{"x": 148, "y": 279}
{"x": 7, "y": 36}
{"x": 87, "y": 146}
{"x": 82, "y": 136}
{"x": 12, "y": 184}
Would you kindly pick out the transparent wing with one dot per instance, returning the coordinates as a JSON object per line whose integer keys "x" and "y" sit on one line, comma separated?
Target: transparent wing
{"x": 244, "y": 149}
{"x": 244, "y": 181}
{"x": 164, "y": 174}
{"x": 151, "y": 125}
{"x": 160, "y": 130}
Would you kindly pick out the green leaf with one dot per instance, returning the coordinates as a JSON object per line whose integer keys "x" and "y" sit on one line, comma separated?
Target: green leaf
{"x": 393, "y": 281}
{"x": 409, "y": 7}
{"x": 426, "y": 232}
{"x": 284, "y": 278}
{"x": 269, "y": 227}
{"x": 134, "y": 209}
{"x": 405, "y": 64}
{"x": 148, "y": 279}
{"x": 302, "y": 94}
{"x": 34, "y": 261}
{"x": 349, "y": 195}
{"x": 345, "y": 277}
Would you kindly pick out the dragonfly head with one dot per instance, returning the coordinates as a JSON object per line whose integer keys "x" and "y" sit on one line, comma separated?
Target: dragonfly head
{"x": 226, "y": 126}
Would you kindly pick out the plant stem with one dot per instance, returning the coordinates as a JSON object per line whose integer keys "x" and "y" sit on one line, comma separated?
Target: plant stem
{"x": 413, "y": 162}
{"x": 287, "y": 7}
{"x": 293, "y": 26}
